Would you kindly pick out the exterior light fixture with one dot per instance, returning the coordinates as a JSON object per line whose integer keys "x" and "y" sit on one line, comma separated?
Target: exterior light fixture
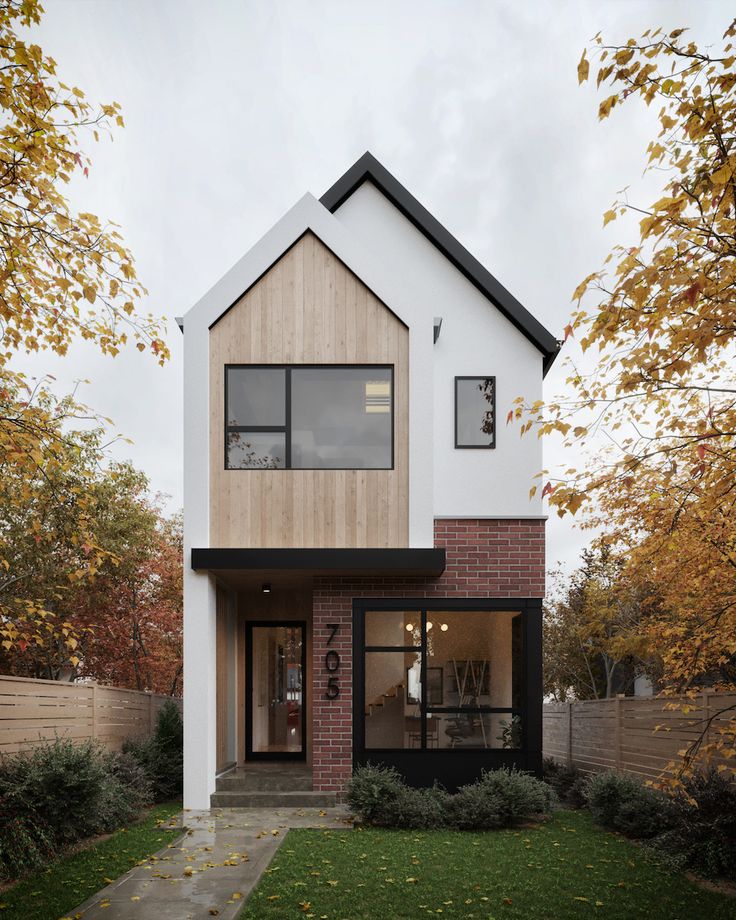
{"x": 444, "y": 627}
{"x": 429, "y": 625}
{"x": 266, "y": 588}
{"x": 409, "y": 627}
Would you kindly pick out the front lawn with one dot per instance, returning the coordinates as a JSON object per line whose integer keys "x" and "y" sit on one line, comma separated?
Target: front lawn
{"x": 51, "y": 893}
{"x": 567, "y": 868}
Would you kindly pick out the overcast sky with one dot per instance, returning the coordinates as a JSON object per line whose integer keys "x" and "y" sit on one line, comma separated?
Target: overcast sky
{"x": 234, "y": 109}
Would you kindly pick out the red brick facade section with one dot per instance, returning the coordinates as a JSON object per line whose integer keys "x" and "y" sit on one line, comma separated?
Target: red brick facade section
{"x": 485, "y": 558}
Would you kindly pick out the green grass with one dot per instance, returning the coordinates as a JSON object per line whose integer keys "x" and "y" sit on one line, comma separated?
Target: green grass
{"x": 567, "y": 868}
{"x": 52, "y": 892}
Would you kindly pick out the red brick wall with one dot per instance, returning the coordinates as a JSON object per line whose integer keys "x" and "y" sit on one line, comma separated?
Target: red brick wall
{"x": 485, "y": 558}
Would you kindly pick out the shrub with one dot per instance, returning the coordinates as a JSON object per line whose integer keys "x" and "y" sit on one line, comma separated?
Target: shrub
{"x": 520, "y": 795}
{"x": 702, "y": 836}
{"x": 373, "y": 791}
{"x": 621, "y": 803}
{"x": 132, "y": 775}
{"x": 499, "y": 798}
{"x": 473, "y": 807}
{"x": 126, "y": 790}
{"x": 162, "y": 755}
{"x": 567, "y": 782}
{"x": 25, "y": 843}
{"x": 419, "y": 809}
{"x": 60, "y": 784}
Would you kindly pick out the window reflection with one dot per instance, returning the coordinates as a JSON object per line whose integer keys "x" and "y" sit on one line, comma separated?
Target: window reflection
{"x": 474, "y": 411}
{"x": 255, "y": 450}
{"x": 341, "y": 417}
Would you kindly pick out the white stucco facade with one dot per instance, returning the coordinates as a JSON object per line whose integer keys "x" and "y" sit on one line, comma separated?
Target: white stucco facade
{"x": 402, "y": 267}
{"x": 475, "y": 339}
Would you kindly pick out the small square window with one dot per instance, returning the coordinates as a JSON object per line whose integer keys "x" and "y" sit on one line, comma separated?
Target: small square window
{"x": 475, "y": 412}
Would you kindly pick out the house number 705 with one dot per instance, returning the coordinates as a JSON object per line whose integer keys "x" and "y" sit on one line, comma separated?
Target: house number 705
{"x": 332, "y": 665}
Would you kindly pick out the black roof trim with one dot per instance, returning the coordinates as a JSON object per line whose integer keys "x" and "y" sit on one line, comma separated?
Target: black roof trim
{"x": 368, "y": 169}
{"x": 339, "y": 561}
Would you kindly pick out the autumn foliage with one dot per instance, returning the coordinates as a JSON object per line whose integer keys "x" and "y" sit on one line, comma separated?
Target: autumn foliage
{"x": 64, "y": 275}
{"x": 658, "y": 324}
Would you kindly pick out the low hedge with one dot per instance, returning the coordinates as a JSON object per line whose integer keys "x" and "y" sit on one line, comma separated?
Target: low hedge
{"x": 621, "y": 803}
{"x": 694, "y": 827}
{"x": 702, "y": 832}
{"x": 500, "y": 798}
{"x": 62, "y": 791}
{"x": 567, "y": 782}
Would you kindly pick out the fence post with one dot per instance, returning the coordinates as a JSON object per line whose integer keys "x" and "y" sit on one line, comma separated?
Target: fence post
{"x": 617, "y": 732}
{"x": 569, "y": 734}
{"x": 94, "y": 711}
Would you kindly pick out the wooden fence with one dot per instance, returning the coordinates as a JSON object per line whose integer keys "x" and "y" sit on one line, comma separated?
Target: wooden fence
{"x": 619, "y": 734}
{"x": 34, "y": 711}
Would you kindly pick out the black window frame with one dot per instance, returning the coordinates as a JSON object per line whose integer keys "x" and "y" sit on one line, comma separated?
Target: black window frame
{"x": 285, "y": 429}
{"x": 424, "y": 606}
{"x": 492, "y": 435}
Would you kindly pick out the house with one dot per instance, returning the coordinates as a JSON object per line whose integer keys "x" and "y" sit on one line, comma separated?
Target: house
{"x": 364, "y": 566}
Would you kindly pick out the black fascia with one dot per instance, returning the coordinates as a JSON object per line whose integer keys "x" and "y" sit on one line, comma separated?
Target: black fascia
{"x": 417, "y": 561}
{"x": 368, "y": 169}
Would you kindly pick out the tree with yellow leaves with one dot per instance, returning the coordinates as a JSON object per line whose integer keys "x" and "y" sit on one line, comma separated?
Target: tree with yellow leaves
{"x": 63, "y": 275}
{"x": 660, "y": 320}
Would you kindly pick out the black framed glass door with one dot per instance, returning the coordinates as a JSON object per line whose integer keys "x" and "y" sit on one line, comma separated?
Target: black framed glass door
{"x": 276, "y": 690}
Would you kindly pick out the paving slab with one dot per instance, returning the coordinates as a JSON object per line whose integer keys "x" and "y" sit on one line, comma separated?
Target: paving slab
{"x": 210, "y": 870}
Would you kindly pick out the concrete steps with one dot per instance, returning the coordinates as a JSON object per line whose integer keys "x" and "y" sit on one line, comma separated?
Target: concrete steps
{"x": 262, "y": 777}
{"x": 303, "y": 799}
{"x": 269, "y": 785}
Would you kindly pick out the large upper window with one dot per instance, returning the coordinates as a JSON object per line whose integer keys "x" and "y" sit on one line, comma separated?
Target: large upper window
{"x": 443, "y": 679}
{"x": 308, "y": 417}
{"x": 475, "y": 412}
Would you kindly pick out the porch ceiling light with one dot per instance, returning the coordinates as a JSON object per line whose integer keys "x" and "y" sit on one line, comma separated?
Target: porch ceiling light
{"x": 444, "y": 627}
{"x": 409, "y": 627}
{"x": 266, "y": 588}
{"x": 429, "y": 625}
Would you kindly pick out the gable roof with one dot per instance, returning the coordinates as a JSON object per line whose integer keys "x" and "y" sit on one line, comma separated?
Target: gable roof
{"x": 368, "y": 169}
{"x": 307, "y": 215}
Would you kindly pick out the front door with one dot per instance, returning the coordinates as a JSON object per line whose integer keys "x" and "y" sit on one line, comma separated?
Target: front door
{"x": 276, "y": 691}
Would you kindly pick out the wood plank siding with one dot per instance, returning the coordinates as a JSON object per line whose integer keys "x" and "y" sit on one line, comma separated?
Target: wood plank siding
{"x": 309, "y": 308}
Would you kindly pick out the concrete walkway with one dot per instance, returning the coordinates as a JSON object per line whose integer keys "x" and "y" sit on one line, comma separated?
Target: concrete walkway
{"x": 210, "y": 871}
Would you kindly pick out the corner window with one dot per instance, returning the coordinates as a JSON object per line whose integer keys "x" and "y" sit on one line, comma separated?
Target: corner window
{"x": 309, "y": 417}
{"x": 475, "y": 412}
{"x": 443, "y": 679}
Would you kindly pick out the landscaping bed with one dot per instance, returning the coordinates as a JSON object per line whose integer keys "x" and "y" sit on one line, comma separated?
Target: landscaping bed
{"x": 565, "y": 867}
{"x": 50, "y": 893}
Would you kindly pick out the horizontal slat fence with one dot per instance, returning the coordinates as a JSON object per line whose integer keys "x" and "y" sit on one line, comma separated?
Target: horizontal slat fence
{"x": 35, "y": 711}
{"x": 619, "y": 734}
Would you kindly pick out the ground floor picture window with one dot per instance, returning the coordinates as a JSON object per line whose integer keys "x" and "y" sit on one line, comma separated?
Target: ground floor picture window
{"x": 443, "y": 679}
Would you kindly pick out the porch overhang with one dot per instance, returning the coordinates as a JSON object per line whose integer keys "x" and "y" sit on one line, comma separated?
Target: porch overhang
{"x": 405, "y": 561}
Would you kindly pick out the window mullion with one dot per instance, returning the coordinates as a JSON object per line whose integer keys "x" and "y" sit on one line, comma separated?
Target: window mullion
{"x": 287, "y": 395}
{"x": 423, "y": 680}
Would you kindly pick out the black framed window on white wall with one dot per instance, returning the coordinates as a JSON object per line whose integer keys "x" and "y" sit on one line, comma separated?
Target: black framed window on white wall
{"x": 475, "y": 412}
{"x": 309, "y": 417}
{"x": 442, "y": 679}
